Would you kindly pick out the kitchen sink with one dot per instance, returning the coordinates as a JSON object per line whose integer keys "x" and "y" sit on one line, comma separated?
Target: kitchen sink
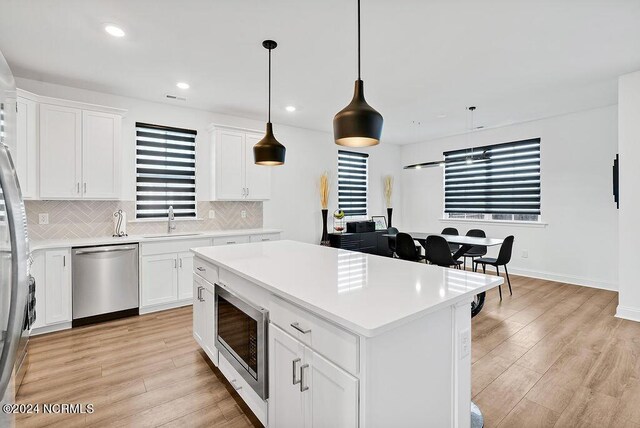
{"x": 169, "y": 235}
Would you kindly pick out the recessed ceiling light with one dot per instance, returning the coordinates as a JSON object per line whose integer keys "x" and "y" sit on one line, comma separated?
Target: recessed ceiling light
{"x": 114, "y": 31}
{"x": 182, "y": 85}
{"x": 290, "y": 109}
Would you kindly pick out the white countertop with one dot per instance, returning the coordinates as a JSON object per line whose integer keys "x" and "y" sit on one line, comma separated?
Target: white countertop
{"x": 364, "y": 293}
{"x": 109, "y": 240}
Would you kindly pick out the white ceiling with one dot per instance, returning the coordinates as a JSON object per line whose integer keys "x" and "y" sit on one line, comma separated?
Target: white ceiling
{"x": 516, "y": 60}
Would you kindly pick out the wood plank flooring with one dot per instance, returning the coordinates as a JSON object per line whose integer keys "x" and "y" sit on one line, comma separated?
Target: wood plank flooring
{"x": 552, "y": 354}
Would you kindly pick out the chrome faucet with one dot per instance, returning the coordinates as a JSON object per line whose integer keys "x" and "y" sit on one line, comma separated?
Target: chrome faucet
{"x": 172, "y": 218}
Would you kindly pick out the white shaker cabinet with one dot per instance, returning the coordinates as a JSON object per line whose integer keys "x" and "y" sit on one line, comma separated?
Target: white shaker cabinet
{"x": 204, "y": 316}
{"x": 27, "y": 147}
{"x": 185, "y": 275}
{"x": 159, "y": 279}
{"x": 57, "y": 287}
{"x": 79, "y": 153}
{"x": 235, "y": 176}
{"x": 305, "y": 389}
{"x": 101, "y": 133}
{"x": 60, "y": 152}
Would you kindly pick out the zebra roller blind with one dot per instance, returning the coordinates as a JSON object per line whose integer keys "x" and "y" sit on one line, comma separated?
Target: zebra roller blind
{"x": 352, "y": 182}
{"x": 165, "y": 171}
{"x": 496, "y": 179}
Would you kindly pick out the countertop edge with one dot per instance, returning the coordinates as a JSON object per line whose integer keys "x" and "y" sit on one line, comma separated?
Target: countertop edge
{"x": 345, "y": 324}
{"x": 109, "y": 240}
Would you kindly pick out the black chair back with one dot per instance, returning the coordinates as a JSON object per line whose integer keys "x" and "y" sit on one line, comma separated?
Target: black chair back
{"x": 392, "y": 239}
{"x": 451, "y": 231}
{"x": 504, "y": 256}
{"x": 406, "y": 247}
{"x": 437, "y": 251}
{"x": 479, "y": 250}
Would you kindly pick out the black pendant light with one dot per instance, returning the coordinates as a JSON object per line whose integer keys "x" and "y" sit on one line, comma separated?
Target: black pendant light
{"x": 269, "y": 151}
{"x": 358, "y": 124}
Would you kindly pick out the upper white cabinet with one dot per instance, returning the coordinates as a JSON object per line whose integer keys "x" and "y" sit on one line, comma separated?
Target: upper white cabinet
{"x": 101, "y": 133}
{"x": 79, "y": 153}
{"x": 60, "y": 152}
{"x": 235, "y": 177}
{"x": 26, "y": 161}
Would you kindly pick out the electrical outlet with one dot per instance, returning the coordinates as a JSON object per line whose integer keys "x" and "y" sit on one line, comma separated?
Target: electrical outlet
{"x": 465, "y": 344}
{"x": 525, "y": 254}
{"x": 243, "y": 214}
{"x": 43, "y": 218}
{"x": 212, "y": 214}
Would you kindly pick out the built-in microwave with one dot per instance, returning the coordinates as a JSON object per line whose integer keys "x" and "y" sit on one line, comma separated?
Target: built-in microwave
{"x": 241, "y": 337}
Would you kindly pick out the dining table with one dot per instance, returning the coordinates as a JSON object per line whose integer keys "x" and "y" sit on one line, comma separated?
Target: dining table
{"x": 465, "y": 242}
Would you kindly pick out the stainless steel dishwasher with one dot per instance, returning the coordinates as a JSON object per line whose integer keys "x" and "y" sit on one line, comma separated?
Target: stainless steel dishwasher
{"x": 104, "y": 282}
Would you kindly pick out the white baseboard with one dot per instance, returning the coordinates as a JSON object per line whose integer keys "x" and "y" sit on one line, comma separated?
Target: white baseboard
{"x": 569, "y": 279}
{"x": 165, "y": 306}
{"x": 628, "y": 313}
{"x": 50, "y": 328}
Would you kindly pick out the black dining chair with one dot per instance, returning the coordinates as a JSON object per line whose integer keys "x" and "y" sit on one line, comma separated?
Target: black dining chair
{"x": 437, "y": 252}
{"x": 392, "y": 239}
{"x": 451, "y": 231}
{"x": 406, "y": 248}
{"x": 504, "y": 257}
{"x": 477, "y": 250}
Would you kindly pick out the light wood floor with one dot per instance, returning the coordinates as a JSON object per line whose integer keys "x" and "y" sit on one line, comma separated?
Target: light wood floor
{"x": 550, "y": 355}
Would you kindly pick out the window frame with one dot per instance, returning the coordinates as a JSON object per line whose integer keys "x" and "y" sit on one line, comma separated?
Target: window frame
{"x": 164, "y": 217}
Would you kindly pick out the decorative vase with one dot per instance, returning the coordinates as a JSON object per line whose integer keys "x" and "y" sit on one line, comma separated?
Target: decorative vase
{"x": 389, "y": 212}
{"x": 325, "y": 235}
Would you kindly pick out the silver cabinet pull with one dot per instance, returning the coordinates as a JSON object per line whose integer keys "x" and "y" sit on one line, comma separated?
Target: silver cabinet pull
{"x": 78, "y": 187}
{"x": 181, "y": 262}
{"x": 231, "y": 242}
{"x": 265, "y": 239}
{"x": 247, "y": 191}
{"x": 303, "y": 388}
{"x": 85, "y": 187}
{"x": 200, "y": 269}
{"x": 106, "y": 250}
{"x": 295, "y": 369}
{"x": 200, "y": 288}
{"x": 175, "y": 264}
{"x": 296, "y": 325}
{"x": 64, "y": 261}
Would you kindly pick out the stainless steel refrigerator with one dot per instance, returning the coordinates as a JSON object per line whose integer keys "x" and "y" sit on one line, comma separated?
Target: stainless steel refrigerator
{"x": 14, "y": 251}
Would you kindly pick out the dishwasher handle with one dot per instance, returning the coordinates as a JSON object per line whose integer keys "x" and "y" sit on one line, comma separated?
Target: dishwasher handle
{"x": 105, "y": 250}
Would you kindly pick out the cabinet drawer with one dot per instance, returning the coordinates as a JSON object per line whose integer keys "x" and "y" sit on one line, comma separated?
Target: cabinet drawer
{"x": 205, "y": 270}
{"x": 172, "y": 246}
{"x": 249, "y": 396}
{"x": 334, "y": 343}
{"x": 229, "y": 240}
{"x": 265, "y": 237}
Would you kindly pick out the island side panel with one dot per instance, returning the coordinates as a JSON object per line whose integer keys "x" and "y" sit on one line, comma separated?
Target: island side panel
{"x": 413, "y": 378}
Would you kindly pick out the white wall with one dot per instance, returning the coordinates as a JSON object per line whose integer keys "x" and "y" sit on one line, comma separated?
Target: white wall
{"x": 579, "y": 244}
{"x": 629, "y": 146}
{"x": 294, "y": 206}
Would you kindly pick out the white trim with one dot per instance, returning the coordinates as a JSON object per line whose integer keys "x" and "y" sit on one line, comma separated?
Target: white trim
{"x": 627, "y": 313}
{"x": 50, "y": 328}
{"x": 164, "y": 306}
{"x": 70, "y": 103}
{"x": 214, "y": 126}
{"x": 495, "y": 222}
{"x": 568, "y": 279}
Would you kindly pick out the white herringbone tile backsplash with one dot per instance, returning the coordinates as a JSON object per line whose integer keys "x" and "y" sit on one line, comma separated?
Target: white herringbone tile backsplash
{"x": 86, "y": 219}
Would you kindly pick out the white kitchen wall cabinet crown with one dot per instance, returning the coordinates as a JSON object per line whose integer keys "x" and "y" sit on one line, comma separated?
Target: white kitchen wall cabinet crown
{"x": 26, "y": 160}
{"x": 235, "y": 176}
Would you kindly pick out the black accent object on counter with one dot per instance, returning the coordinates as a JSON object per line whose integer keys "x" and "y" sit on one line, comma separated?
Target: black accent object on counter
{"x": 325, "y": 235}
{"x": 361, "y": 226}
{"x": 616, "y": 181}
{"x": 389, "y": 213}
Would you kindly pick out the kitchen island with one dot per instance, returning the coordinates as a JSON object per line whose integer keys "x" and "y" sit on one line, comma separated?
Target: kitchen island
{"x": 337, "y": 338}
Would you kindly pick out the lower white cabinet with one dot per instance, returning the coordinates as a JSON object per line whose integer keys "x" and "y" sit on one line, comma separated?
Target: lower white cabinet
{"x": 159, "y": 279}
{"x": 52, "y": 272}
{"x": 185, "y": 275}
{"x": 306, "y": 390}
{"x": 204, "y": 317}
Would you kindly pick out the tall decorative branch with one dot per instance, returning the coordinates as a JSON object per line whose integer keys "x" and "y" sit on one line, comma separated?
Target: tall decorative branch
{"x": 388, "y": 189}
{"x": 324, "y": 190}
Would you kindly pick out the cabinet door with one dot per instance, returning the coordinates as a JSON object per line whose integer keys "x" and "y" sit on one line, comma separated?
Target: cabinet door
{"x": 101, "y": 134}
{"x": 60, "y": 152}
{"x": 332, "y": 397}
{"x": 159, "y": 279}
{"x": 229, "y": 165}
{"x": 198, "y": 307}
{"x": 258, "y": 177}
{"x": 26, "y": 162}
{"x": 185, "y": 275}
{"x": 57, "y": 285}
{"x": 38, "y": 271}
{"x": 286, "y": 401}
{"x": 208, "y": 320}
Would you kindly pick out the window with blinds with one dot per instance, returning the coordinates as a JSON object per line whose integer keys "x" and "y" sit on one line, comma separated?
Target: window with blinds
{"x": 165, "y": 171}
{"x": 497, "y": 182}
{"x": 352, "y": 183}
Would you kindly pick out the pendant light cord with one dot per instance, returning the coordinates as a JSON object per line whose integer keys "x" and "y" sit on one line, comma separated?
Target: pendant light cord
{"x": 359, "y": 40}
{"x": 269, "y": 119}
